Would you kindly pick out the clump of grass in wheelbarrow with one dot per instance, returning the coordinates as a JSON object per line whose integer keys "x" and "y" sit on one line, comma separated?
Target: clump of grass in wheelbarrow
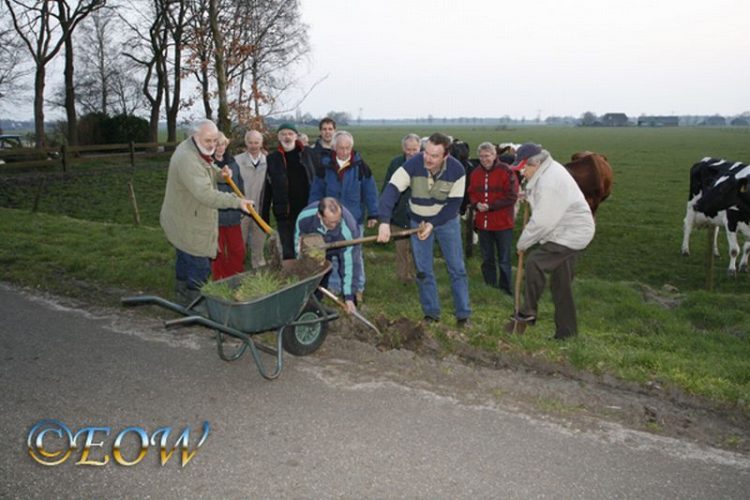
{"x": 251, "y": 286}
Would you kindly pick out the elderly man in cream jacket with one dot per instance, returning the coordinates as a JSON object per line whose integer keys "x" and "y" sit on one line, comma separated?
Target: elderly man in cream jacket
{"x": 562, "y": 224}
{"x": 189, "y": 214}
{"x": 253, "y": 171}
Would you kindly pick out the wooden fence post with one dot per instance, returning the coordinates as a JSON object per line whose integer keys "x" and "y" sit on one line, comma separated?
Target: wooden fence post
{"x": 132, "y": 154}
{"x": 38, "y": 195}
{"x": 64, "y": 157}
{"x": 136, "y": 213}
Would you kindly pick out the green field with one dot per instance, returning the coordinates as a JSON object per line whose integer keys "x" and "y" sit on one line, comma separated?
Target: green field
{"x": 644, "y": 314}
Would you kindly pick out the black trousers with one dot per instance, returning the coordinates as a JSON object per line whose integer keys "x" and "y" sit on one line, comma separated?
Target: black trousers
{"x": 495, "y": 247}
{"x": 285, "y": 229}
{"x": 559, "y": 261}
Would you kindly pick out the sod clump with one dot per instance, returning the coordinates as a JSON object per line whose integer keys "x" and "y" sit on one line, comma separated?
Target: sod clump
{"x": 250, "y": 286}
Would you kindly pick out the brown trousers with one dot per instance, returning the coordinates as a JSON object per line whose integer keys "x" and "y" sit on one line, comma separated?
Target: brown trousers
{"x": 404, "y": 260}
{"x": 559, "y": 261}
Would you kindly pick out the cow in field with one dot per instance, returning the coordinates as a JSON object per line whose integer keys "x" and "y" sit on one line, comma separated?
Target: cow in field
{"x": 718, "y": 197}
{"x": 594, "y": 176}
{"x": 729, "y": 193}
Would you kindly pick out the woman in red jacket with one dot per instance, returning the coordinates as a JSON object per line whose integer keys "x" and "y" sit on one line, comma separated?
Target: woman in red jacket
{"x": 493, "y": 192}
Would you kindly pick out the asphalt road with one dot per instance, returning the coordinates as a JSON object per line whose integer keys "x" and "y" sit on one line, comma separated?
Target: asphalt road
{"x": 326, "y": 428}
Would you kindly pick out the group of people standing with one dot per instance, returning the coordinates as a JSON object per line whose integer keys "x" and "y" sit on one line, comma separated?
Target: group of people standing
{"x": 329, "y": 189}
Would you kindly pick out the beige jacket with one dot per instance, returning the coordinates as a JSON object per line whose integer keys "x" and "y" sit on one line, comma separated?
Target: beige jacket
{"x": 253, "y": 177}
{"x": 189, "y": 214}
{"x": 559, "y": 212}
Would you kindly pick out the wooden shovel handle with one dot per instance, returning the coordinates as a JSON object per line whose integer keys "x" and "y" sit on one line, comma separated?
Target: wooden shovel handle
{"x": 519, "y": 267}
{"x": 366, "y": 239}
{"x": 265, "y": 227}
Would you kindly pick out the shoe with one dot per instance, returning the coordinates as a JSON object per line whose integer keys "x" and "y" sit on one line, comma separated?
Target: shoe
{"x": 565, "y": 336}
{"x": 463, "y": 322}
{"x": 430, "y": 319}
{"x": 527, "y": 319}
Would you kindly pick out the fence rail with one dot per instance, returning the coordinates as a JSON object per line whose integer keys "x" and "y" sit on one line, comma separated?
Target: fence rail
{"x": 65, "y": 156}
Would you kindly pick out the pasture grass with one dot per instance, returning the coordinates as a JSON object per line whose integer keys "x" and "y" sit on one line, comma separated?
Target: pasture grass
{"x": 644, "y": 314}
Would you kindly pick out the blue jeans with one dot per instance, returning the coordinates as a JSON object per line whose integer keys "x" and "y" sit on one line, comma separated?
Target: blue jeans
{"x": 334, "y": 280}
{"x": 193, "y": 270}
{"x": 449, "y": 238}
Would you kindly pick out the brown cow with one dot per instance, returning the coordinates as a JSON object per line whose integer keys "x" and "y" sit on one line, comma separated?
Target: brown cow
{"x": 593, "y": 175}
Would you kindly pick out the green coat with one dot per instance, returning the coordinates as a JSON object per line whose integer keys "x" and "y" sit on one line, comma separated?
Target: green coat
{"x": 189, "y": 214}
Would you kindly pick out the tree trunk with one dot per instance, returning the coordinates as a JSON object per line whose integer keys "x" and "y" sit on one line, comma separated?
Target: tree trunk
{"x": 225, "y": 125}
{"x": 206, "y": 90}
{"x": 39, "y": 78}
{"x": 70, "y": 96}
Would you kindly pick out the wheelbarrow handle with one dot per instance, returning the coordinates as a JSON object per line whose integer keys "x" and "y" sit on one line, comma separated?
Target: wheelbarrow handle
{"x": 250, "y": 210}
{"x": 366, "y": 239}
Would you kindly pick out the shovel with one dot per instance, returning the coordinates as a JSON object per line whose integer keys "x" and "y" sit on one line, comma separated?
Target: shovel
{"x": 517, "y": 326}
{"x": 341, "y": 304}
{"x": 273, "y": 237}
{"x": 313, "y": 244}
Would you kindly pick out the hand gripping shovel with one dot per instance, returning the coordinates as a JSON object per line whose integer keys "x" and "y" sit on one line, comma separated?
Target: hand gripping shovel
{"x": 273, "y": 237}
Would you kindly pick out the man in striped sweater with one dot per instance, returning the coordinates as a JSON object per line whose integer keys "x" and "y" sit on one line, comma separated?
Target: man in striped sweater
{"x": 437, "y": 182}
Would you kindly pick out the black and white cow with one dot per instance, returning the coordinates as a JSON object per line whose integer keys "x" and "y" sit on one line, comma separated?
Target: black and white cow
{"x": 716, "y": 199}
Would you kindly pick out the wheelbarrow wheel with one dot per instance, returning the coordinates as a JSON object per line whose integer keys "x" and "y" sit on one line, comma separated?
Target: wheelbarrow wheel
{"x": 302, "y": 340}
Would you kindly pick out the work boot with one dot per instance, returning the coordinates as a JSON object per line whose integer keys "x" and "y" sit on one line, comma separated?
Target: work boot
{"x": 199, "y": 307}
{"x": 180, "y": 292}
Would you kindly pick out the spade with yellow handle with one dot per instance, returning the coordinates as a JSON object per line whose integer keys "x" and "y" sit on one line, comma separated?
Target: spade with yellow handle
{"x": 273, "y": 236}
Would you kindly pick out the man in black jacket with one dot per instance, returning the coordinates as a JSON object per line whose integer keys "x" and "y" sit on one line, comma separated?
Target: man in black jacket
{"x": 288, "y": 177}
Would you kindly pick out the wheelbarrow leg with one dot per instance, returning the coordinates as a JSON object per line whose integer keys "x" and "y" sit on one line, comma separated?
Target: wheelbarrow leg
{"x": 254, "y": 348}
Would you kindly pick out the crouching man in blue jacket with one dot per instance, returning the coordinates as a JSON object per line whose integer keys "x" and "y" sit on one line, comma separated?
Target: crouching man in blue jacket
{"x": 334, "y": 223}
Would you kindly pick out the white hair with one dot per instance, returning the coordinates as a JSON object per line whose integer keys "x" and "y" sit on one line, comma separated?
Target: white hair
{"x": 410, "y": 137}
{"x": 197, "y": 126}
{"x": 488, "y": 146}
{"x": 342, "y": 133}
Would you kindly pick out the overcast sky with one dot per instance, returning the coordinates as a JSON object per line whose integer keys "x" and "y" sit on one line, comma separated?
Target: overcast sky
{"x": 396, "y": 58}
{"x": 414, "y": 58}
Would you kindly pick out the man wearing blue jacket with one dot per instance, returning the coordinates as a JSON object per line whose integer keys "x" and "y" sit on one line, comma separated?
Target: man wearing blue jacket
{"x": 437, "y": 182}
{"x": 334, "y": 223}
{"x": 344, "y": 175}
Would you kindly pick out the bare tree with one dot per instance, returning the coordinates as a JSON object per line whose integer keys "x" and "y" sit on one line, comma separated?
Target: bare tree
{"x": 158, "y": 30}
{"x": 278, "y": 38}
{"x": 200, "y": 46}
{"x": 13, "y": 69}
{"x": 44, "y": 27}
{"x": 252, "y": 51}
{"x": 225, "y": 125}
{"x": 97, "y": 62}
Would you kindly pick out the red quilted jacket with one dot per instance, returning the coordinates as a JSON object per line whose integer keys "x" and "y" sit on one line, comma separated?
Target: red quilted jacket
{"x": 498, "y": 188}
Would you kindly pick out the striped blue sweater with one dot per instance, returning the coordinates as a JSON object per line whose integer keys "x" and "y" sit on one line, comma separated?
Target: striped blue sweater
{"x": 434, "y": 199}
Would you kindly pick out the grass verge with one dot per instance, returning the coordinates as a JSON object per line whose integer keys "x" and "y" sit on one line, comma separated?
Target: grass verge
{"x": 693, "y": 340}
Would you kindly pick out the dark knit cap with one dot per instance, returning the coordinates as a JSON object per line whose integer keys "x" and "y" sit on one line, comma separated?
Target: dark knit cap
{"x": 288, "y": 126}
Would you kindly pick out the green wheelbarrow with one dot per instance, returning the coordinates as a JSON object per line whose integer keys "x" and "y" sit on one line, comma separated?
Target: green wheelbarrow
{"x": 294, "y": 314}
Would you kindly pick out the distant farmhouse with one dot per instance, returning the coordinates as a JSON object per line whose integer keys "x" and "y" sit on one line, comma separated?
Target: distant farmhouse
{"x": 614, "y": 120}
{"x": 658, "y": 121}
